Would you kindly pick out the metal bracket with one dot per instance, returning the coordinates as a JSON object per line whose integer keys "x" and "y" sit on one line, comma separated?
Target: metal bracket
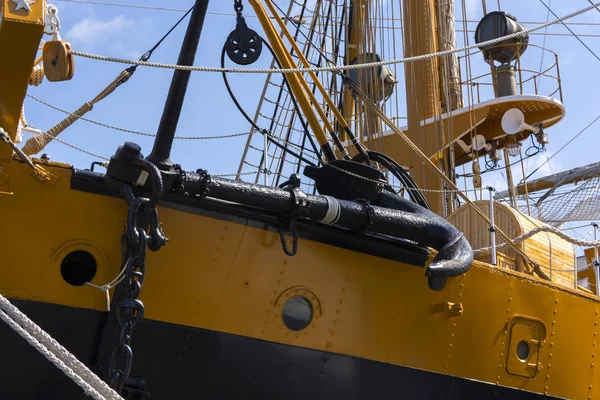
{"x": 455, "y": 309}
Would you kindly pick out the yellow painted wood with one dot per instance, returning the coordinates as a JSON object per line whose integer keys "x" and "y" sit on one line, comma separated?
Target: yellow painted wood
{"x": 27, "y": 29}
{"x": 555, "y": 254}
{"x": 234, "y": 278}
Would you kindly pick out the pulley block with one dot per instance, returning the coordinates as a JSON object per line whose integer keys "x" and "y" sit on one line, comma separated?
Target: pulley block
{"x": 59, "y": 64}
{"x": 243, "y": 44}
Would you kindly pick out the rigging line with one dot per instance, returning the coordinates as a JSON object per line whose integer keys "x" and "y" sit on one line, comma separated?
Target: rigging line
{"x": 116, "y": 128}
{"x": 590, "y": 1}
{"x": 565, "y": 145}
{"x": 543, "y": 46}
{"x": 334, "y": 68}
{"x": 148, "y": 54}
{"x": 570, "y": 30}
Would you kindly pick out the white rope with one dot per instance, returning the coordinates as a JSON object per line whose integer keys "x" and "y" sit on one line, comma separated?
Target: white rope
{"x": 55, "y": 353}
{"x": 539, "y": 229}
{"x": 333, "y": 211}
{"x": 333, "y": 68}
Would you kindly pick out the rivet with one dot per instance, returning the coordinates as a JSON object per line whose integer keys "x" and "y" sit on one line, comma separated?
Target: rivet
{"x": 549, "y": 365}
{"x": 278, "y": 281}
{"x": 555, "y": 301}
{"x": 509, "y": 299}
{"x": 596, "y": 312}
{"x": 334, "y": 322}
{"x": 284, "y": 262}
{"x": 547, "y": 376}
{"x": 341, "y": 301}
{"x": 508, "y": 310}
{"x": 595, "y": 323}
{"x": 450, "y": 345}
{"x": 501, "y": 355}
{"x": 554, "y": 312}
{"x": 553, "y": 322}
{"x": 337, "y": 311}
{"x": 281, "y": 272}
{"x": 590, "y": 387}
{"x": 343, "y": 290}
{"x": 551, "y": 344}
{"x": 503, "y": 344}
{"x": 549, "y": 355}
{"x": 552, "y": 333}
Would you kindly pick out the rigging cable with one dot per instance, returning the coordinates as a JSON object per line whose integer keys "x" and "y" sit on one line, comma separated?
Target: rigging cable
{"x": 565, "y": 145}
{"x": 334, "y": 67}
{"x": 570, "y": 30}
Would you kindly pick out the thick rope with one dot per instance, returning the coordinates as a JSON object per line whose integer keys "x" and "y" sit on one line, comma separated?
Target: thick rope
{"x": 55, "y": 353}
{"x": 333, "y": 68}
{"x": 36, "y": 144}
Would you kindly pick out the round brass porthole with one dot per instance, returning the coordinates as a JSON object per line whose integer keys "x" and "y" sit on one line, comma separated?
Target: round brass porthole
{"x": 297, "y": 313}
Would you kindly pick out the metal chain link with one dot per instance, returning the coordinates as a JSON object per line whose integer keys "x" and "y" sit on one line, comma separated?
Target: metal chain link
{"x": 137, "y": 237}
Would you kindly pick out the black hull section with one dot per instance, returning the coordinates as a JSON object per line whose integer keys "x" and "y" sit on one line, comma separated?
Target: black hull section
{"x": 179, "y": 362}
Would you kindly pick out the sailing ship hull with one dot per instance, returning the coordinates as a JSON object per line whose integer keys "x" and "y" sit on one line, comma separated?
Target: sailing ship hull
{"x": 213, "y": 307}
{"x": 179, "y": 362}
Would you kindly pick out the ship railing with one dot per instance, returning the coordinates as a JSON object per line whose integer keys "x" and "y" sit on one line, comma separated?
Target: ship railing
{"x": 528, "y": 80}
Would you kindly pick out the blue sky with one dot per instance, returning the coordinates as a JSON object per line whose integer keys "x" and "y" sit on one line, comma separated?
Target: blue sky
{"x": 208, "y": 110}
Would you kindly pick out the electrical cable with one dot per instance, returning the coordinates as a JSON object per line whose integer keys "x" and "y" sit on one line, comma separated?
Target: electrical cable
{"x": 258, "y": 128}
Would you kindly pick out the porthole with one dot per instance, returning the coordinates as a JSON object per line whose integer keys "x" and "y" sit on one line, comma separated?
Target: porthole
{"x": 297, "y": 313}
{"x": 523, "y": 350}
{"x": 78, "y": 267}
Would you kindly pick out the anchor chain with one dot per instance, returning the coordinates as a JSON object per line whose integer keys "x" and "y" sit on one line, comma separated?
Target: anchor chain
{"x": 143, "y": 230}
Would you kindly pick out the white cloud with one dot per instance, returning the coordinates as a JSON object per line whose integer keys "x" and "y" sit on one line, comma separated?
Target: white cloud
{"x": 92, "y": 31}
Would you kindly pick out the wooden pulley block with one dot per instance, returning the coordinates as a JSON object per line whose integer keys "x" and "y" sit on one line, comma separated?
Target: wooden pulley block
{"x": 476, "y": 175}
{"x": 59, "y": 64}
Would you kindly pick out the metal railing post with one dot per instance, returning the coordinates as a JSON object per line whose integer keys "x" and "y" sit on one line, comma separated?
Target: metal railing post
{"x": 492, "y": 227}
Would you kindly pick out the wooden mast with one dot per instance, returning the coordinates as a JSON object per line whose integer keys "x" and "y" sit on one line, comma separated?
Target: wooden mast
{"x": 422, "y": 93}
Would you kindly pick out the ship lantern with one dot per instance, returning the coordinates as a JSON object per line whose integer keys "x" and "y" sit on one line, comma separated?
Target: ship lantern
{"x": 377, "y": 82}
{"x": 495, "y": 25}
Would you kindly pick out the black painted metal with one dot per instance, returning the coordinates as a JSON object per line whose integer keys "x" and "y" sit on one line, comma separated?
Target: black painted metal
{"x": 394, "y": 216}
{"x": 180, "y": 362}
{"x": 386, "y": 247}
{"x": 161, "y": 152}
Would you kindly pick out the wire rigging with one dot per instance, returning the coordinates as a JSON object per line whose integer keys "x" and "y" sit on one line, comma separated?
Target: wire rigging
{"x": 565, "y": 145}
{"x": 570, "y": 30}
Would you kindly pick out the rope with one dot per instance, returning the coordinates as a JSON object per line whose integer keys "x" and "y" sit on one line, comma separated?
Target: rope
{"x": 333, "y": 68}
{"x": 37, "y": 75}
{"x": 55, "y": 353}
{"x": 116, "y": 128}
{"x": 36, "y": 144}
